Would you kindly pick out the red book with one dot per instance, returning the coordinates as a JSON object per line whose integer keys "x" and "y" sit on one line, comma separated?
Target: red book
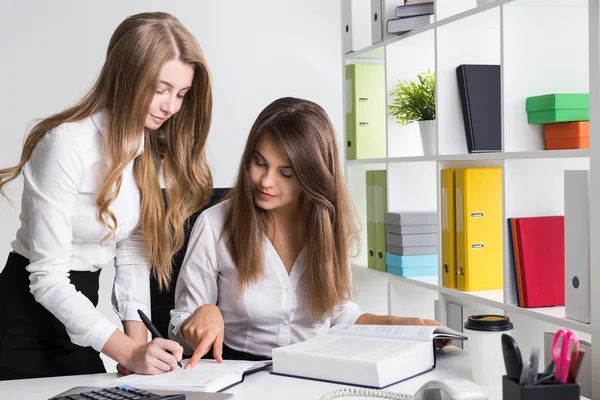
{"x": 542, "y": 250}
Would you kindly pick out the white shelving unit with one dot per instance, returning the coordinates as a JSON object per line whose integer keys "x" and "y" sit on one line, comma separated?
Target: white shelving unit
{"x": 494, "y": 299}
{"x": 542, "y": 46}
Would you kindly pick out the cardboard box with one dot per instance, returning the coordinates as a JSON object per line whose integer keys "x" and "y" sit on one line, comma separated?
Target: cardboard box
{"x": 578, "y": 129}
{"x": 568, "y": 143}
{"x": 558, "y": 107}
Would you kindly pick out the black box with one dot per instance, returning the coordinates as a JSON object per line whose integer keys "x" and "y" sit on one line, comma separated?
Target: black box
{"x": 550, "y": 390}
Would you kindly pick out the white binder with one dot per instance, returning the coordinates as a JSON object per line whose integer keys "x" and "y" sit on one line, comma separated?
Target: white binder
{"x": 366, "y": 21}
{"x": 577, "y": 246}
{"x": 376, "y": 21}
{"x": 346, "y": 26}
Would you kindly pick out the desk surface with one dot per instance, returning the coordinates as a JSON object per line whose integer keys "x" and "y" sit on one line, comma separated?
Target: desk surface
{"x": 452, "y": 363}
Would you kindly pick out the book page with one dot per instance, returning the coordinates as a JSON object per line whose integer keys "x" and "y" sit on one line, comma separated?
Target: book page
{"x": 360, "y": 348}
{"x": 407, "y": 332}
{"x": 207, "y": 373}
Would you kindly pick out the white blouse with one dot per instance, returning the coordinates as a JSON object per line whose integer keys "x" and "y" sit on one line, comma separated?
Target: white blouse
{"x": 270, "y": 313}
{"x": 60, "y": 231}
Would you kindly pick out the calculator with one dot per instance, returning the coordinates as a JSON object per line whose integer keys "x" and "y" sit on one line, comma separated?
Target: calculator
{"x": 123, "y": 392}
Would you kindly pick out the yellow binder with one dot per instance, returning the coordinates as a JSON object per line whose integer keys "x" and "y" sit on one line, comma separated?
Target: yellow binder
{"x": 448, "y": 229}
{"x": 479, "y": 252}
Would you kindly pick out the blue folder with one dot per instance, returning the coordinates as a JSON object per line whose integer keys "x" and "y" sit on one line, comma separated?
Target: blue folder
{"x": 413, "y": 272}
{"x": 418, "y": 261}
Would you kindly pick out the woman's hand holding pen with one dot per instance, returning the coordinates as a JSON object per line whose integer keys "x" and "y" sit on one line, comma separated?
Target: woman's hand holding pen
{"x": 155, "y": 357}
{"x": 138, "y": 332}
{"x": 125, "y": 371}
{"x": 205, "y": 327}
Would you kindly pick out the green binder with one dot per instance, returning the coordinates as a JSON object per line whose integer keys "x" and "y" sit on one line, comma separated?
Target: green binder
{"x": 380, "y": 178}
{"x": 371, "y": 219}
{"x": 366, "y": 114}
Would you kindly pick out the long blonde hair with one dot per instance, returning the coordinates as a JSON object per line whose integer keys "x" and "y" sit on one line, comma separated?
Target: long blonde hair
{"x": 307, "y": 137}
{"x": 137, "y": 50}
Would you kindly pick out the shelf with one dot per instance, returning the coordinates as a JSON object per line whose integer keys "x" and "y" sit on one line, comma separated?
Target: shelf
{"x": 551, "y": 3}
{"x": 364, "y": 53}
{"x": 513, "y": 155}
{"x": 392, "y": 160}
{"x": 540, "y": 154}
{"x": 491, "y": 298}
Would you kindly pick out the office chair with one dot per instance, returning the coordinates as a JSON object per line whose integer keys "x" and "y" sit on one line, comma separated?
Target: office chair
{"x": 162, "y": 302}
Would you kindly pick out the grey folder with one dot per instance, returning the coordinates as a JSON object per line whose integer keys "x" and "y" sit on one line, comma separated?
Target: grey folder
{"x": 346, "y": 27}
{"x": 410, "y": 229}
{"x": 454, "y": 320}
{"x": 412, "y": 250}
{"x": 425, "y": 239}
{"x": 376, "y": 21}
{"x": 577, "y": 246}
{"x": 411, "y": 218}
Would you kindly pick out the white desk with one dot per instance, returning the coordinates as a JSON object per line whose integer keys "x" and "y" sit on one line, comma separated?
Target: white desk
{"x": 452, "y": 363}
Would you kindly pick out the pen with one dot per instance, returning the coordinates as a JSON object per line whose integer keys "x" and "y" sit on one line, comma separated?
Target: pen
{"x": 152, "y": 329}
{"x": 533, "y": 366}
{"x": 523, "y": 380}
{"x": 575, "y": 365}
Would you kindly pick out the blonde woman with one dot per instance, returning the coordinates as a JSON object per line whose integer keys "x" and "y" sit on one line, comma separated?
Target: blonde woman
{"x": 268, "y": 266}
{"x": 92, "y": 194}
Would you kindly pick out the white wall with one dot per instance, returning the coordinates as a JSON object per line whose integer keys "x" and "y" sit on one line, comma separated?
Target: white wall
{"x": 259, "y": 50}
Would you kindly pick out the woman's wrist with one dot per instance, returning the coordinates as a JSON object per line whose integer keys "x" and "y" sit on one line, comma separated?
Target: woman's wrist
{"x": 121, "y": 348}
{"x": 182, "y": 328}
{"x": 137, "y": 331}
{"x": 372, "y": 319}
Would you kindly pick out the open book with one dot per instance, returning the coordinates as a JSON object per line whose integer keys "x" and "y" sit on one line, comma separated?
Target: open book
{"x": 374, "y": 356}
{"x": 206, "y": 376}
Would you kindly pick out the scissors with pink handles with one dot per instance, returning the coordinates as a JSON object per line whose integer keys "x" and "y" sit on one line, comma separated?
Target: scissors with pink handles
{"x": 564, "y": 356}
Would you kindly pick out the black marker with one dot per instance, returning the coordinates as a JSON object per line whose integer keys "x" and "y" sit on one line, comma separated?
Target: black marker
{"x": 152, "y": 329}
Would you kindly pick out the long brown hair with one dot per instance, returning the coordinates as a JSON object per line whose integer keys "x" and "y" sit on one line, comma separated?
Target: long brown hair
{"x": 137, "y": 50}
{"x": 306, "y": 134}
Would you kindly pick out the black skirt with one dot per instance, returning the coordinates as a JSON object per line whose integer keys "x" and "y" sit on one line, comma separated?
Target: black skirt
{"x": 33, "y": 342}
{"x": 231, "y": 354}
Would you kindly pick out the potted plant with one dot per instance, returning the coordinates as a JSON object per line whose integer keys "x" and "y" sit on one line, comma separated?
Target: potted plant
{"x": 414, "y": 101}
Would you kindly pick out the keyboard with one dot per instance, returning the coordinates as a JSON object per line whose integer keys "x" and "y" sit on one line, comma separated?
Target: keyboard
{"x": 123, "y": 392}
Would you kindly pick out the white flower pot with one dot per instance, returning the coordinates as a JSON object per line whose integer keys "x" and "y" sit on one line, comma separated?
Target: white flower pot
{"x": 428, "y": 131}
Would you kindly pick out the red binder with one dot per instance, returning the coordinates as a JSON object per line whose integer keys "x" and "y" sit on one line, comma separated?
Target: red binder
{"x": 542, "y": 251}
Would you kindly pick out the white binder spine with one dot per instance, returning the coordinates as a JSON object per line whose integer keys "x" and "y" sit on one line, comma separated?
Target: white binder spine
{"x": 361, "y": 24}
{"x": 346, "y": 26}
{"x": 577, "y": 246}
{"x": 376, "y": 21}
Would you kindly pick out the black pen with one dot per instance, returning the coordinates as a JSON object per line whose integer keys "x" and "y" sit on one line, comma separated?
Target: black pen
{"x": 152, "y": 329}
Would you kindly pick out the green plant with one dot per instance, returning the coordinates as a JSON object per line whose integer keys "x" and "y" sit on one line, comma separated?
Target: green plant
{"x": 414, "y": 100}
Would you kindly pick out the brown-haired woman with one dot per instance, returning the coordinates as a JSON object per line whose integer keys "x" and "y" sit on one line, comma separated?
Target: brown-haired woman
{"x": 269, "y": 266}
{"x": 92, "y": 194}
